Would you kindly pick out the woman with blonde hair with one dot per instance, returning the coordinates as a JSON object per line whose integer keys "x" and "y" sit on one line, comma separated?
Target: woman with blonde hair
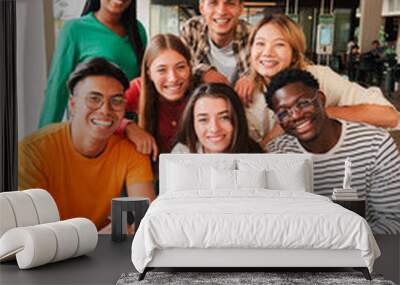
{"x": 277, "y": 43}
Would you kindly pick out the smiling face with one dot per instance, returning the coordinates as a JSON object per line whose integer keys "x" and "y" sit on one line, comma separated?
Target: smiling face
{"x": 221, "y": 16}
{"x": 97, "y": 124}
{"x": 170, "y": 73}
{"x": 305, "y": 124}
{"x": 213, "y": 124}
{"x": 114, "y": 6}
{"x": 270, "y": 51}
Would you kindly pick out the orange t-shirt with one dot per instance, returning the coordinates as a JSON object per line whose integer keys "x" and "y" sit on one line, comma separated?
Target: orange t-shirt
{"x": 81, "y": 186}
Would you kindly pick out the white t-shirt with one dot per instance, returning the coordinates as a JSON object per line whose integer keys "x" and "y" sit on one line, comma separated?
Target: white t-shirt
{"x": 182, "y": 148}
{"x": 224, "y": 60}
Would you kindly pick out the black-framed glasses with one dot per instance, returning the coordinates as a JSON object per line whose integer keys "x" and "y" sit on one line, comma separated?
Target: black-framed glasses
{"x": 301, "y": 105}
{"x": 96, "y": 101}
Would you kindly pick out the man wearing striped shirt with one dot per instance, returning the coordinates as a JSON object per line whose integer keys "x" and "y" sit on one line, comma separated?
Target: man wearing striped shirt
{"x": 295, "y": 98}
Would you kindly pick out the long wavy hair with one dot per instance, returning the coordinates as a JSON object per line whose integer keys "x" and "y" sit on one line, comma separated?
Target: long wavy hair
{"x": 128, "y": 20}
{"x": 292, "y": 33}
{"x": 148, "y": 102}
{"x": 241, "y": 141}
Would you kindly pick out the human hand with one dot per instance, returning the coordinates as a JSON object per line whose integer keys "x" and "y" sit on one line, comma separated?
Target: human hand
{"x": 106, "y": 230}
{"x": 276, "y": 131}
{"x": 213, "y": 76}
{"x": 145, "y": 143}
{"x": 245, "y": 88}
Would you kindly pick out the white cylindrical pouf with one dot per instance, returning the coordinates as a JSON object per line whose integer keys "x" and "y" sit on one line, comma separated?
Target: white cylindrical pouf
{"x": 67, "y": 239}
{"x": 87, "y": 234}
{"x": 33, "y": 246}
{"x": 23, "y": 208}
{"x": 7, "y": 218}
{"x": 45, "y": 205}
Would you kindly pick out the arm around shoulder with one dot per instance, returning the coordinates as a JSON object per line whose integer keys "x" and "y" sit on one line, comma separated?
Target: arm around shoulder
{"x": 377, "y": 115}
{"x": 341, "y": 92}
{"x": 349, "y": 101}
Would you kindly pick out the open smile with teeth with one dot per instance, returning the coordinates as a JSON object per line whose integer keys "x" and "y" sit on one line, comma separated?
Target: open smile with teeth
{"x": 221, "y": 21}
{"x": 303, "y": 125}
{"x": 101, "y": 123}
{"x": 173, "y": 87}
{"x": 268, "y": 63}
{"x": 215, "y": 139}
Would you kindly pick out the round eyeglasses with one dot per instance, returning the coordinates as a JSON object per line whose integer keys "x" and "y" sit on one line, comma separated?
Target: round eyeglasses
{"x": 304, "y": 104}
{"x": 96, "y": 101}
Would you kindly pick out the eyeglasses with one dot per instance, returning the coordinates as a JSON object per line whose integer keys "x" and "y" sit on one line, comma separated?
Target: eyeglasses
{"x": 301, "y": 105}
{"x": 96, "y": 101}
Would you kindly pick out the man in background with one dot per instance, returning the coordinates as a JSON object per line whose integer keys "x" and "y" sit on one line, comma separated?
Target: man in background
{"x": 218, "y": 43}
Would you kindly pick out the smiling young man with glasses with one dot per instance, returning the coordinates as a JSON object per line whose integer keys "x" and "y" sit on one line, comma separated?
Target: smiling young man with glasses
{"x": 81, "y": 162}
{"x": 298, "y": 104}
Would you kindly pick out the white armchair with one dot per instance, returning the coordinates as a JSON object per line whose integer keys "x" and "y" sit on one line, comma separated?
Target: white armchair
{"x": 31, "y": 231}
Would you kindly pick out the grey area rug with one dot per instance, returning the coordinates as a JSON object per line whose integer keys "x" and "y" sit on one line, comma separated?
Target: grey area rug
{"x": 269, "y": 278}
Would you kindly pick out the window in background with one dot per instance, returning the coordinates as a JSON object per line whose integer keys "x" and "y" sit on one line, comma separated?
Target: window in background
{"x": 342, "y": 29}
{"x": 65, "y": 10}
{"x": 168, "y": 16}
{"x": 167, "y": 19}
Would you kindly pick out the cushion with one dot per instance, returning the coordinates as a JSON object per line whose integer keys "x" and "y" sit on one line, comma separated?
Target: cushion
{"x": 181, "y": 177}
{"x": 251, "y": 178}
{"x": 40, "y": 244}
{"x": 223, "y": 179}
{"x": 7, "y": 220}
{"x": 185, "y": 175}
{"x": 23, "y": 208}
{"x": 287, "y": 175}
{"x": 236, "y": 179}
{"x": 31, "y": 232}
{"x": 292, "y": 179}
{"x": 26, "y": 208}
{"x": 45, "y": 205}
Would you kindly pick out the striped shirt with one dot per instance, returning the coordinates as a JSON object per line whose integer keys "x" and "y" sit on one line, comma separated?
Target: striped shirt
{"x": 375, "y": 170}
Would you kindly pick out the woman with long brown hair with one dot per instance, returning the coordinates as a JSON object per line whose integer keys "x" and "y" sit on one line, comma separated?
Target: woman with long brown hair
{"x": 214, "y": 121}
{"x": 166, "y": 82}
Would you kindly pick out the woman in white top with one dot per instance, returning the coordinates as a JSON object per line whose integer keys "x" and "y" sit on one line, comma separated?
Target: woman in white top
{"x": 214, "y": 121}
{"x": 277, "y": 43}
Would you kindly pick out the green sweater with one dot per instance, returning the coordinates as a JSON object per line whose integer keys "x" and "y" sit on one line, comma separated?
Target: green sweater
{"x": 80, "y": 40}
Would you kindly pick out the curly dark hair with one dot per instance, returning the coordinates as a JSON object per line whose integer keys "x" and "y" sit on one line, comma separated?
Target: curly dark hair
{"x": 286, "y": 77}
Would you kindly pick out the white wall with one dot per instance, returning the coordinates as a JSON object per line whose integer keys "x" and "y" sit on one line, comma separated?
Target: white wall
{"x": 143, "y": 14}
{"x": 31, "y": 64}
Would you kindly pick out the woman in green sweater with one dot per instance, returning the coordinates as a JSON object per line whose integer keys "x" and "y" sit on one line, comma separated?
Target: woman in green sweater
{"x": 108, "y": 29}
